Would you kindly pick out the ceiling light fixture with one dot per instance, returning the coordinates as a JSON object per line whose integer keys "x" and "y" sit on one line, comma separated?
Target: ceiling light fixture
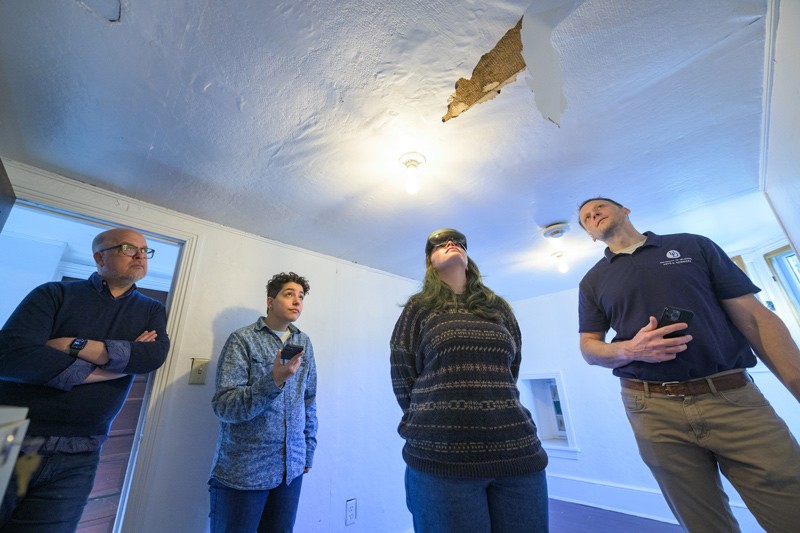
{"x": 412, "y": 161}
{"x": 554, "y": 231}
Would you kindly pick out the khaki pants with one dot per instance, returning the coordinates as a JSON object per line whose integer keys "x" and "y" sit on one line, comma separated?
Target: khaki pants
{"x": 687, "y": 441}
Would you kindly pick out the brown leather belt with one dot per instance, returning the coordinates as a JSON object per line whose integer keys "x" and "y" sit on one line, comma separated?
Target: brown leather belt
{"x": 689, "y": 388}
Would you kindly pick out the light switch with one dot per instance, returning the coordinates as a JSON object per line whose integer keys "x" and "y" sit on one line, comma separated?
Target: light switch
{"x": 199, "y": 371}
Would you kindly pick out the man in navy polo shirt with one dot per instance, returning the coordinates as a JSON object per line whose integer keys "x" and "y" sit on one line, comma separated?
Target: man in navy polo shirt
{"x": 693, "y": 407}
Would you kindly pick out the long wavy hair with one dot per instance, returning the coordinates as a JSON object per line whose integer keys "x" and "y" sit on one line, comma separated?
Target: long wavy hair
{"x": 480, "y": 299}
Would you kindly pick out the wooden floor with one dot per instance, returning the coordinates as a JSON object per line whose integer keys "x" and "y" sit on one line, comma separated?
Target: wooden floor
{"x": 573, "y": 518}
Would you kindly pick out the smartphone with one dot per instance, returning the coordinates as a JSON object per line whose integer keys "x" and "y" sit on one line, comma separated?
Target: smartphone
{"x": 289, "y": 351}
{"x": 673, "y": 315}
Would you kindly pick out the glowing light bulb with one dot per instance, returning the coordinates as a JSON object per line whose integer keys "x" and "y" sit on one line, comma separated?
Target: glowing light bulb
{"x": 412, "y": 161}
{"x": 412, "y": 179}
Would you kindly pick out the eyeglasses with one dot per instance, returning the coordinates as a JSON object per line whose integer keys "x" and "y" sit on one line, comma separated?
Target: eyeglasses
{"x": 131, "y": 250}
{"x": 440, "y": 239}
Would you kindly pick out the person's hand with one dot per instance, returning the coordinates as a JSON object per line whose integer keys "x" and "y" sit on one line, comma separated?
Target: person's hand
{"x": 650, "y": 346}
{"x": 281, "y": 372}
{"x": 147, "y": 336}
{"x": 306, "y": 469}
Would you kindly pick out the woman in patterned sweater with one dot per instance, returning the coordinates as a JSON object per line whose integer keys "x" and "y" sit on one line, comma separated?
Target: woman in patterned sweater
{"x": 474, "y": 462}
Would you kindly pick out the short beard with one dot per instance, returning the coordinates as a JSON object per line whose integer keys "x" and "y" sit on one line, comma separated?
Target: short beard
{"x": 609, "y": 230}
{"x": 133, "y": 278}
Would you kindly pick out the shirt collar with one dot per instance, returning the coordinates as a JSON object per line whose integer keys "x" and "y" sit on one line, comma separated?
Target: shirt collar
{"x": 261, "y": 323}
{"x": 652, "y": 240}
{"x": 101, "y": 286}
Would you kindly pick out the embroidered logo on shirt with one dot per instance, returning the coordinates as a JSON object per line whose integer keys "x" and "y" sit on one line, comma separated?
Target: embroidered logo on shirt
{"x": 674, "y": 258}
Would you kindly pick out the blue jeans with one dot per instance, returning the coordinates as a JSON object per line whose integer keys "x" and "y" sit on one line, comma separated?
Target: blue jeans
{"x": 516, "y": 504}
{"x": 57, "y": 494}
{"x": 244, "y": 511}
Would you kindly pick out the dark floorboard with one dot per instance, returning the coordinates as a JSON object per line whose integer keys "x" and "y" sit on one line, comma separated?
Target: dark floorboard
{"x": 574, "y": 518}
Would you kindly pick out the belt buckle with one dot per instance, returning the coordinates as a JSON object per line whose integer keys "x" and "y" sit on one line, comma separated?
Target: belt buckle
{"x": 666, "y": 385}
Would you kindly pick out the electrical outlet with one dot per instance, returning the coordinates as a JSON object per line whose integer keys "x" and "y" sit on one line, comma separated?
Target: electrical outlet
{"x": 350, "y": 512}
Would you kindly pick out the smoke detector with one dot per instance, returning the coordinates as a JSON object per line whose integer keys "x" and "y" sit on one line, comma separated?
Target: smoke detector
{"x": 554, "y": 231}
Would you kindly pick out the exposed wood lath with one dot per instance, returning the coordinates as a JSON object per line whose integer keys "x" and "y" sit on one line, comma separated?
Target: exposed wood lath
{"x": 494, "y": 70}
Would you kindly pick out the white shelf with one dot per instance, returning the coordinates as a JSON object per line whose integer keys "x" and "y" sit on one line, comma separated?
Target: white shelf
{"x": 544, "y": 395}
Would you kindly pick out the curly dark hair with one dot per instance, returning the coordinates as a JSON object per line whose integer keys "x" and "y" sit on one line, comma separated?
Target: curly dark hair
{"x": 277, "y": 282}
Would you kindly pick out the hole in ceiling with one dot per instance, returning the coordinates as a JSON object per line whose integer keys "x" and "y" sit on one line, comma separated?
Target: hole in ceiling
{"x": 494, "y": 70}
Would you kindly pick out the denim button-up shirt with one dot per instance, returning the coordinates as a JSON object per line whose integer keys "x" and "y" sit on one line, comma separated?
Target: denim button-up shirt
{"x": 265, "y": 431}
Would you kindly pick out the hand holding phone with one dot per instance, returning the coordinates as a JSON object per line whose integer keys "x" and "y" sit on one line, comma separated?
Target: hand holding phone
{"x": 289, "y": 351}
{"x": 673, "y": 315}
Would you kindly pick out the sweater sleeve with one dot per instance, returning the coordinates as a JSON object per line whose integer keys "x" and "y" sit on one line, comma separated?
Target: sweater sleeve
{"x": 24, "y": 335}
{"x": 513, "y": 328}
{"x": 403, "y": 360}
{"x": 145, "y": 357}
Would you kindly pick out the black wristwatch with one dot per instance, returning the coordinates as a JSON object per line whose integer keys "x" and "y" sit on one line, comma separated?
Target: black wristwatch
{"x": 76, "y": 346}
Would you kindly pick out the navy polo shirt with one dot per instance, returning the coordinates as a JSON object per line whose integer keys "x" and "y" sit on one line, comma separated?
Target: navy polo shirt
{"x": 682, "y": 270}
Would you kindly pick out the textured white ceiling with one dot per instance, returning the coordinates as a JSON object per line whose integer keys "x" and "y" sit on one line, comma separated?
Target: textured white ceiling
{"x": 286, "y": 119}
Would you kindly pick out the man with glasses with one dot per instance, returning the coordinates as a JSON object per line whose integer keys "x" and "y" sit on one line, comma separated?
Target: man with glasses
{"x": 69, "y": 353}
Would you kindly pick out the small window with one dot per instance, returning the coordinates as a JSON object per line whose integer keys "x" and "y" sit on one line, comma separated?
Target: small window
{"x": 785, "y": 268}
{"x": 544, "y": 395}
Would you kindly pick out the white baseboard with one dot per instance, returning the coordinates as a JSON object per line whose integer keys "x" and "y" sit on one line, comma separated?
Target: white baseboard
{"x": 635, "y": 501}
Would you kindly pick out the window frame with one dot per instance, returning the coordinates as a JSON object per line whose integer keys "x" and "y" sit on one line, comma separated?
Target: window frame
{"x": 786, "y": 277}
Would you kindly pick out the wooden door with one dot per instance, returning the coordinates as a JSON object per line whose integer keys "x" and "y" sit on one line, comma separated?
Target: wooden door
{"x": 101, "y": 511}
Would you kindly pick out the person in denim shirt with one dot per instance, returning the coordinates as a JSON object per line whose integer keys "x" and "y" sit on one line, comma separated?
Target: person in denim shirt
{"x": 268, "y": 417}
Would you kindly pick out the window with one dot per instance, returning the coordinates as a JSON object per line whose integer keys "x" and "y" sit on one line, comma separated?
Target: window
{"x": 785, "y": 268}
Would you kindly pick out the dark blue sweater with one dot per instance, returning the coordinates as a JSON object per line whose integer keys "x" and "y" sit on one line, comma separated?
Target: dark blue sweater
{"x": 75, "y": 309}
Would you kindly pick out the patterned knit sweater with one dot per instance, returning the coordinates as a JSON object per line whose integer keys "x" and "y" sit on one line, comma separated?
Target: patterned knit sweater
{"x": 454, "y": 375}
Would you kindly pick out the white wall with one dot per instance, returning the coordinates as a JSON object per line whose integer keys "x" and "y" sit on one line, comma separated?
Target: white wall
{"x": 783, "y": 162}
{"x": 349, "y": 314}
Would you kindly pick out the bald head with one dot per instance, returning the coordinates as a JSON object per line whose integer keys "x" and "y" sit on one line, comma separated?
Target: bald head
{"x": 113, "y": 237}
{"x": 118, "y": 269}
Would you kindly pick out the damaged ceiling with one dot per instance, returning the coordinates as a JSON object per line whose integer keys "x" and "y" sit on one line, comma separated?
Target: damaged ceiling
{"x": 287, "y": 119}
{"x": 494, "y": 70}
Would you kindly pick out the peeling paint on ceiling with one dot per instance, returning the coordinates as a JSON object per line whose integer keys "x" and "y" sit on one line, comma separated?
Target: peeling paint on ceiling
{"x": 495, "y": 69}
